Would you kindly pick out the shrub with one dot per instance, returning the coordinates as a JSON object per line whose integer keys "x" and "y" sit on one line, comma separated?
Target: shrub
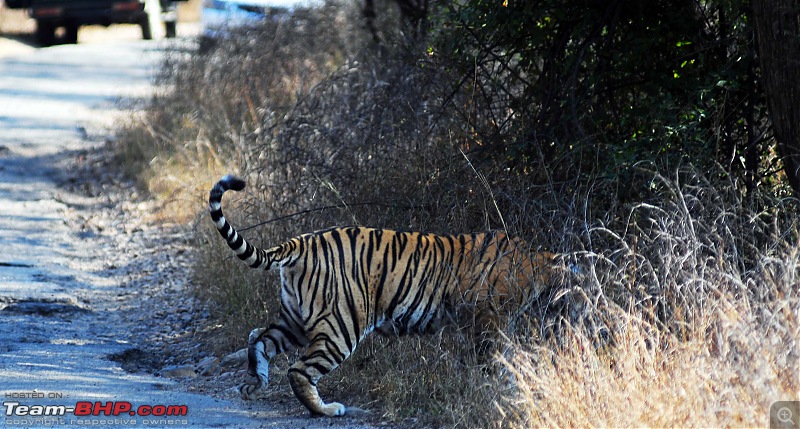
{"x": 677, "y": 276}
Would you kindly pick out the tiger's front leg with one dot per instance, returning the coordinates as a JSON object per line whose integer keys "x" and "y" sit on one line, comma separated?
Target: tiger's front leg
{"x": 257, "y": 366}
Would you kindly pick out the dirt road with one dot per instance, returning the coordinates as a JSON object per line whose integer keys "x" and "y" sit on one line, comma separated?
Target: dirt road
{"x": 71, "y": 315}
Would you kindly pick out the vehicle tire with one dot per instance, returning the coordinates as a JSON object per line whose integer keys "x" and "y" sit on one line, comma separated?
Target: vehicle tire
{"x": 45, "y": 33}
{"x": 71, "y": 34}
{"x": 171, "y": 28}
{"x": 147, "y": 32}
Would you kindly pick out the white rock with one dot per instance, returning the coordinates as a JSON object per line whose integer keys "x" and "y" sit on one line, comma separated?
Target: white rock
{"x": 235, "y": 359}
{"x": 178, "y": 371}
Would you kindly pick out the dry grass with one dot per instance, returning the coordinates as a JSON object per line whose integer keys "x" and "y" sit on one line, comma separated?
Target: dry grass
{"x": 733, "y": 366}
{"x": 700, "y": 302}
{"x": 684, "y": 311}
{"x": 219, "y": 99}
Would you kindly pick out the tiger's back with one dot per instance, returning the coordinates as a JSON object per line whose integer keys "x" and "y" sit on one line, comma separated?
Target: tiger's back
{"x": 408, "y": 279}
{"x": 340, "y": 284}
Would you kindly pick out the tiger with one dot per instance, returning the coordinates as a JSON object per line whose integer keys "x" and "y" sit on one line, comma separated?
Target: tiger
{"x": 340, "y": 284}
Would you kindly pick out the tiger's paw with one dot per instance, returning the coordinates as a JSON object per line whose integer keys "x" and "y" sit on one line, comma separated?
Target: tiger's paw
{"x": 251, "y": 391}
{"x": 333, "y": 409}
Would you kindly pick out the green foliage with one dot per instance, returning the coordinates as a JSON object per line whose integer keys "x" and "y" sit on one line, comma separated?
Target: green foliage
{"x": 592, "y": 88}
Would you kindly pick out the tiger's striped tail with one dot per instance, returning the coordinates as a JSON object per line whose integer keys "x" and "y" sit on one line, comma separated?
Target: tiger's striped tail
{"x": 251, "y": 255}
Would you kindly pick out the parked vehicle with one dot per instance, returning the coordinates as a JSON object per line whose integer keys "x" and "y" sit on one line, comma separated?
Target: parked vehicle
{"x": 72, "y": 14}
{"x": 221, "y": 15}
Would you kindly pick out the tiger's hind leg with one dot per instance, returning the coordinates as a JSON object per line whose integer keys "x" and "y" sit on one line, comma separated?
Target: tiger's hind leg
{"x": 320, "y": 358}
{"x": 486, "y": 334}
{"x": 262, "y": 345}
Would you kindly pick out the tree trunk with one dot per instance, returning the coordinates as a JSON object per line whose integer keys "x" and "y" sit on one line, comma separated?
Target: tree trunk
{"x": 778, "y": 32}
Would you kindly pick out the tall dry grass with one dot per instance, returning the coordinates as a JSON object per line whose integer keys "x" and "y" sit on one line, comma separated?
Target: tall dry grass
{"x": 216, "y": 100}
{"x": 698, "y": 300}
